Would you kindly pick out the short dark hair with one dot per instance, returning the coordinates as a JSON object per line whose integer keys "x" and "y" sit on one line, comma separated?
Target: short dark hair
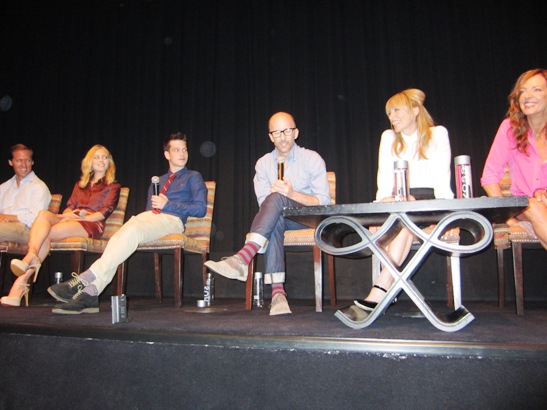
{"x": 174, "y": 136}
{"x": 19, "y": 147}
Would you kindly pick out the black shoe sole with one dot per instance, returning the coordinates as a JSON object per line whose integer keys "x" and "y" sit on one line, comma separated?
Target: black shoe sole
{"x": 60, "y": 311}
{"x": 365, "y": 305}
{"x": 369, "y": 306}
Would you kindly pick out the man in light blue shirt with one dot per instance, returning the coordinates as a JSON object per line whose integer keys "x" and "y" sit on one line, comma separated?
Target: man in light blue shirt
{"x": 22, "y": 197}
{"x": 304, "y": 182}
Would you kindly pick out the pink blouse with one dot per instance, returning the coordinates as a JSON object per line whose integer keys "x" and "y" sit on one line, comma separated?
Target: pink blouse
{"x": 527, "y": 173}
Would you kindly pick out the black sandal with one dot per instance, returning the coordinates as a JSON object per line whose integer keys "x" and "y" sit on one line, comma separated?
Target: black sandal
{"x": 370, "y": 306}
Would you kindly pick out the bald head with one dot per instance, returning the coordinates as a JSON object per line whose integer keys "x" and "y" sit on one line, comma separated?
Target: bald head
{"x": 283, "y": 132}
{"x": 281, "y": 117}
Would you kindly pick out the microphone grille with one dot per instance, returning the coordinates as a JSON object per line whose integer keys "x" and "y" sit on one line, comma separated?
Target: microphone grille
{"x": 155, "y": 180}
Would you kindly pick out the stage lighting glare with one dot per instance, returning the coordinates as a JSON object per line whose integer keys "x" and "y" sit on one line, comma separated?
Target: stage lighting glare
{"x": 5, "y": 103}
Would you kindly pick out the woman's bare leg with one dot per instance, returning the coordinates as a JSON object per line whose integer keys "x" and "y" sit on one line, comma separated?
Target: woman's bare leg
{"x": 60, "y": 230}
{"x": 536, "y": 213}
{"x": 39, "y": 232}
{"x": 398, "y": 250}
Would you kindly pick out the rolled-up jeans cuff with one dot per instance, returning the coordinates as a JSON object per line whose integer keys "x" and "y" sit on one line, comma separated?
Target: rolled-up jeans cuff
{"x": 277, "y": 277}
{"x": 259, "y": 240}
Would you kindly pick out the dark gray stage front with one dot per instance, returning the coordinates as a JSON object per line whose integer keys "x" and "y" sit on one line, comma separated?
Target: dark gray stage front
{"x": 225, "y": 357}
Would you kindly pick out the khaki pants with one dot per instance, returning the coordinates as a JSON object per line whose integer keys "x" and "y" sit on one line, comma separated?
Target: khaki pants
{"x": 14, "y": 232}
{"x": 144, "y": 227}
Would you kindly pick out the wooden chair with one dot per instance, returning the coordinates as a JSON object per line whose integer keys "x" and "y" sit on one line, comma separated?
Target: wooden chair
{"x": 501, "y": 240}
{"x": 78, "y": 246}
{"x": 299, "y": 240}
{"x": 20, "y": 248}
{"x": 517, "y": 239}
{"x": 195, "y": 239}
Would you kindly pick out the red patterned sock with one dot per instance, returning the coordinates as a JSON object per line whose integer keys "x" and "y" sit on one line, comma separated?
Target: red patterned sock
{"x": 248, "y": 252}
{"x": 278, "y": 288}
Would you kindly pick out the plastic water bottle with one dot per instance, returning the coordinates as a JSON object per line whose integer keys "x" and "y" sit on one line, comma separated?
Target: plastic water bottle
{"x": 211, "y": 280}
{"x": 258, "y": 291}
{"x": 207, "y": 290}
{"x": 401, "y": 190}
{"x": 58, "y": 277}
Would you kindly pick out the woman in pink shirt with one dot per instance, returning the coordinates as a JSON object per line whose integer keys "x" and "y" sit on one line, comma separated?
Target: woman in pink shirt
{"x": 521, "y": 144}
{"x": 93, "y": 199}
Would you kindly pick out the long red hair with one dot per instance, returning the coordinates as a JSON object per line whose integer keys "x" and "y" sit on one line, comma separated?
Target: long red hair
{"x": 519, "y": 121}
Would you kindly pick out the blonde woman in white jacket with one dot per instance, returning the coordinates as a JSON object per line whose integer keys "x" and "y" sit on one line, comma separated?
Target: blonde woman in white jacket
{"x": 414, "y": 138}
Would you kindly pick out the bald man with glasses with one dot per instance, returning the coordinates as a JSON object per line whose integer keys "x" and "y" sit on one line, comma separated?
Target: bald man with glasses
{"x": 301, "y": 180}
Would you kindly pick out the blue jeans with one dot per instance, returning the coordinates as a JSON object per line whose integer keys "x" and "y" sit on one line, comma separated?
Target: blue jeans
{"x": 270, "y": 223}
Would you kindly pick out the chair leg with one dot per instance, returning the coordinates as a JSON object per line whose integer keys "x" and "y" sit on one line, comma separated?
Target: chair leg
{"x": 332, "y": 280}
{"x": 318, "y": 274}
{"x": 178, "y": 279}
{"x": 249, "y": 284}
{"x": 517, "y": 267}
{"x": 45, "y": 278}
{"x": 204, "y": 271}
{"x": 3, "y": 262}
{"x": 121, "y": 280}
{"x": 501, "y": 278}
{"x": 449, "y": 283}
{"x": 157, "y": 277}
{"x": 454, "y": 289}
{"x": 77, "y": 261}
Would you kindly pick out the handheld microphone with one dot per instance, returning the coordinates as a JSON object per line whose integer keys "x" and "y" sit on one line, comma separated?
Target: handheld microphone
{"x": 156, "y": 189}
{"x": 280, "y": 168}
{"x": 156, "y": 183}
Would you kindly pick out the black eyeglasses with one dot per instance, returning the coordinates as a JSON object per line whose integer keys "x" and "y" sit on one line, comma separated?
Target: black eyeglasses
{"x": 287, "y": 131}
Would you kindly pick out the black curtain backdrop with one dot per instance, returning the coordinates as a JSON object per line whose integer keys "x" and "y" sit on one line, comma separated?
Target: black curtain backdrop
{"x": 127, "y": 73}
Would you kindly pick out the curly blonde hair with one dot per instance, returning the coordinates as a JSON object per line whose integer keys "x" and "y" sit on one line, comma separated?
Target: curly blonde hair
{"x": 519, "y": 121}
{"x": 410, "y": 99}
{"x": 87, "y": 169}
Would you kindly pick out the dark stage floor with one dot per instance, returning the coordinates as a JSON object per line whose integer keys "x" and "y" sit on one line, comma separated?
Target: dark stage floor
{"x": 402, "y": 330}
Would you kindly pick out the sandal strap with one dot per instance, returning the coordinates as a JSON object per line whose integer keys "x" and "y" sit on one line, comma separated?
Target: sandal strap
{"x": 36, "y": 259}
{"x": 379, "y": 287}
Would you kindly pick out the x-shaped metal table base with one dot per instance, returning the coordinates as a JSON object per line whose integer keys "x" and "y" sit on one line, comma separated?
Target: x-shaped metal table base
{"x": 331, "y": 233}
